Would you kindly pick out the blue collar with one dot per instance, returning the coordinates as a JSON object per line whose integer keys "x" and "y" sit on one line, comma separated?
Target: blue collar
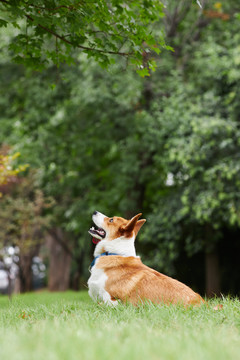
{"x": 103, "y": 254}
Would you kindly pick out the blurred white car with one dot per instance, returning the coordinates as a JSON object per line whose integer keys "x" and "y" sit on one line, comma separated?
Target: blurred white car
{"x": 38, "y": 272}
{"x": 3, "y": 280}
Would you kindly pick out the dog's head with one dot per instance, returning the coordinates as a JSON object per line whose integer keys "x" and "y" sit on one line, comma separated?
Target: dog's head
{"x": 115, "y": 228}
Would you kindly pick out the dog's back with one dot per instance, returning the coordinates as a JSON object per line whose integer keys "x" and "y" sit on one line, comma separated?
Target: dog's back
{"x": 129, "y": 280}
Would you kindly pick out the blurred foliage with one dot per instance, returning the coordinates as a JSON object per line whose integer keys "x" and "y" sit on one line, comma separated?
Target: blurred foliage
{"x": 167, "y": 145}
{"x": 23, "y": 224}
{"x": 198, "y": 129}
{"x": 22, "y": 221}
{"x": 49, "y": 31}
{"x": 7, "y": 169}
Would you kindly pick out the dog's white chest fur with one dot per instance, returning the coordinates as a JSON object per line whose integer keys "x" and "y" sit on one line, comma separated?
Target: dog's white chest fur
{"x": 96, "y": 286}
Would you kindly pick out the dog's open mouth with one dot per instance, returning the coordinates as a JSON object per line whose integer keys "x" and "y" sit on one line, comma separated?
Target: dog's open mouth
{"x": 97, "y": 233}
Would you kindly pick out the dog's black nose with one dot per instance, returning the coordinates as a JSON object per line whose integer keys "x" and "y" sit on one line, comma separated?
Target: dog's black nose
{"x": 95, "y": 213}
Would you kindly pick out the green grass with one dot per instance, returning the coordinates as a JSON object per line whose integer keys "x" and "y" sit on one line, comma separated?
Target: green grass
{"x": 51, "y": 326}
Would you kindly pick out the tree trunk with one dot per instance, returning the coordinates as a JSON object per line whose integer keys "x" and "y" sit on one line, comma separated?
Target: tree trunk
{"x": 60, "y": 261}
{"x": 78, "y": 273}
{"x": 27, "y": 253}
{"x": 212, "y": 274}
{"x": 25, "y": 272}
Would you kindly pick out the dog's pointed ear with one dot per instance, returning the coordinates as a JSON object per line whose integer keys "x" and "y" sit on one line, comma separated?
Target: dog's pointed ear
{"x": 138, "y": 225}
{"x": 131, "y": 223}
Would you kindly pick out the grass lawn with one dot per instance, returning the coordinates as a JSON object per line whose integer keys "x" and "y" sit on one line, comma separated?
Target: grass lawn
{"x": 51, "y": 326}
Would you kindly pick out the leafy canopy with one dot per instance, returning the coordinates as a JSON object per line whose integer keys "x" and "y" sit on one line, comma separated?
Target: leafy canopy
{"x": 48, "y": 31}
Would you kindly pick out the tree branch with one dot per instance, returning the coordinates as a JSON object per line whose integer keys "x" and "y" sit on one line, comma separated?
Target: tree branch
{"x": 70, "y": 7}
{"x": 78, "y": 46}
{"x": 176, "y": 18}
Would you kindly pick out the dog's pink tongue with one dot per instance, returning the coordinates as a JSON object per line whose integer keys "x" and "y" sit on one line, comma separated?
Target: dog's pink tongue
{"x": 95, "y": 241}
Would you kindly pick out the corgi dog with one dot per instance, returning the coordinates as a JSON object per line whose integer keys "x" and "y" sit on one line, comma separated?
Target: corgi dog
{"x": 118, "y": 275}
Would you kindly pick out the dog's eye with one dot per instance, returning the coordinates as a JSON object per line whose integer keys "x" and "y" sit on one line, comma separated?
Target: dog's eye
{"x": 111, "y": 220}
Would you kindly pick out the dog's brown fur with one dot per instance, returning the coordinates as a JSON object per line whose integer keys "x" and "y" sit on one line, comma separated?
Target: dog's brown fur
{"x": 129, "y": 280}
